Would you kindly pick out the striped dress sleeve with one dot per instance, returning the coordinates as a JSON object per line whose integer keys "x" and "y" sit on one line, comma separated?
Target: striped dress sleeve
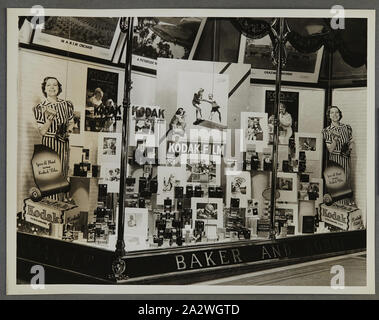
{"x": 70, "y": 108}
{"x": 326, "y": 135}
{"x": 349, "y": 132}
{"x": 39, "y": 114}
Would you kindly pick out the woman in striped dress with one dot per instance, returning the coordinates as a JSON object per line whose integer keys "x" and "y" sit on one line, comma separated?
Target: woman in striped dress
{"x": 338, "y": 138}
{"x": 55, "y": 120}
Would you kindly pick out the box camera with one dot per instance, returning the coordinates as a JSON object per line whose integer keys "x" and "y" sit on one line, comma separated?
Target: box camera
{"x": 189, "y": 191}
{"x": 179, "y": 192}
{"x": 198, "y": 192}
{"x": 234, "y": 202}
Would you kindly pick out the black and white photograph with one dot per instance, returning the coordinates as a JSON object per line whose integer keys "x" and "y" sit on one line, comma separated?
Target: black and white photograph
{"x": 238, "y": 186}
{"x": 92, "y": 36}
{"x": 154, "y": 160}
{"x": 299, "y": 67}
{"x": 205, "y": 172}
{"x": 110, "y": 175}
{"x": 169, "y": 178}
{"x": 102, "y": 113}
{"x": 287, "y": 218}
{"x": 255, "y": 130}
{"x": 204, "y": 97}
{"x": 207, "y": 210}
{"x": 109, "y": 148}
{"x": 288, "y": 114}
{"x": 286, "y": 184}
{"x": 136, "y": 228}
{"x": 164, "y": 37}
{"x": 147, "y": 123}
{"x": 309, "y": 144}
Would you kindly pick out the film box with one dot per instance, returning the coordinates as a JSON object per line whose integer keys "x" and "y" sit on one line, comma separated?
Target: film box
{"x": 344, "y": 217}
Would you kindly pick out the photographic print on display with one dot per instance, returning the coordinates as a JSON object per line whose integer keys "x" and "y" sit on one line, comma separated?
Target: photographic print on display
{"x": 101, "y": 110}
{"x": 91, "y": 36}
{"x": 147, "y": 124}
{"x": 316, "y": 191}
{"x": 286, "y": 184}
{"x": 238, "y": 186}
{"x": 310, "y": 143}
{"x": 136, "y": 228}
{"x": 299, "y": 67}
{"x": 205, "y": 171}
{"x": 109, "y": 148}
{"x": 289, "y": 114}
{"x": 208, "y": 210}
{"x": 168, "y": 179}
{"x": 288, "y": 213}
{"x": 110, "y": 175}
{"x": 164, "y": 37}
{"x": 204, "y": 97}
{"x": 237, "y": 94}
{"x": 255, "y": 130}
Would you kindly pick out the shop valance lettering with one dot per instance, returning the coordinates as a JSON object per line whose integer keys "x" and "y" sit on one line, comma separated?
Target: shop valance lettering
{"x": 207, "y": 259}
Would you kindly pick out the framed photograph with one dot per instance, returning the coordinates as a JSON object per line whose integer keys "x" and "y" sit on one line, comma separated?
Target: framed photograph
{"x": 289, "y": 114}
{"x": 300, "y": 67}
{"x": 110, "y": 175}
{"x": 211, "y": 231}
{"x": 90, "y": 36}
{"x": 208, "y": 210}
{"x": 101, "y": 112}
{"x": 238, "y": 185}
{"x": 255, "y": 129}
{"x": 288, "y": 213}
{"x": 310, "y": 143}
{"x": 147, "y": 123}
{"x": 164, "y": 37}
{"x": 237, "y": 95}
{"x": 316, "y": 191}
{"x": 136, "y": 228}
{"x": 286, "y": 184}
{"x": 207, "y": 172}
{"x": 109, "y": 148}
{"x": 204, "y": 97}
{"x": 168, "y": 179}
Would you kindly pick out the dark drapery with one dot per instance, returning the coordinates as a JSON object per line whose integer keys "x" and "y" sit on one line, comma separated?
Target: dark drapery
{"x": 351, "y": 41}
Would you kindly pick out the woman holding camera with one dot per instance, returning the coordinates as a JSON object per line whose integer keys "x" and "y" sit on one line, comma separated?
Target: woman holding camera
{"x": 55, "y": 120}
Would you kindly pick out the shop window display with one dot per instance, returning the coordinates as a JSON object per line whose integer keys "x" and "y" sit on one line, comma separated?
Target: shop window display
{"x": 180, "y": 190}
